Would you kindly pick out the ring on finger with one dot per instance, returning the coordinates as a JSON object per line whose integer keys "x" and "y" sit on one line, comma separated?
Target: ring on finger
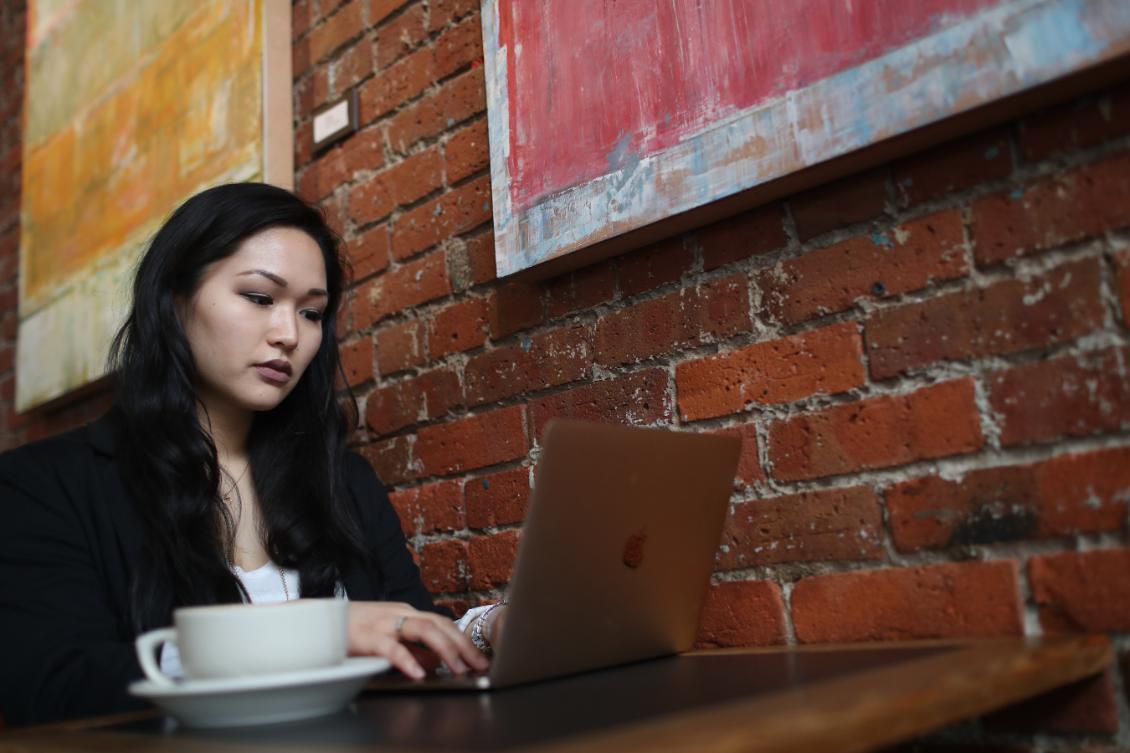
{"x": 399, "y": 629}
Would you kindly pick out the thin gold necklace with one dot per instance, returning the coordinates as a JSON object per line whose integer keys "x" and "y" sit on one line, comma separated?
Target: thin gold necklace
{"x": 235, "y": 482}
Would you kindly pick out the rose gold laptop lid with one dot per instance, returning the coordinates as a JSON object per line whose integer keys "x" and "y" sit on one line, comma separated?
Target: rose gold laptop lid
{"x": 616, "y": 549}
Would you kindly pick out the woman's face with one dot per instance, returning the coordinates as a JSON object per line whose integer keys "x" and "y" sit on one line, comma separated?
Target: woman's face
{"x": 254, "y": 323}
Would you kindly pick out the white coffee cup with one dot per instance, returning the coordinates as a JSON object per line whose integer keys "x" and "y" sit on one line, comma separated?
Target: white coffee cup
{"x": 240, "y": 640}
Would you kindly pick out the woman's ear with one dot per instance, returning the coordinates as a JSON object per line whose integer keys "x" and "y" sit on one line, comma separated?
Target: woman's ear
{"x": 180, "y": 306}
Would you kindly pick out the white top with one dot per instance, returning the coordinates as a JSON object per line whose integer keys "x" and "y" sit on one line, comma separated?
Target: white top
{"x": 264, "y": 585}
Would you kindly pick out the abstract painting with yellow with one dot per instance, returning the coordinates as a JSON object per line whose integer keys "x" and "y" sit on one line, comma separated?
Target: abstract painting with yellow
{"x": 131, "y": 106}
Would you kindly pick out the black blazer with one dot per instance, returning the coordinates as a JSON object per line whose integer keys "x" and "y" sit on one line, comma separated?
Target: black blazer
{"x": 70, "y": 537}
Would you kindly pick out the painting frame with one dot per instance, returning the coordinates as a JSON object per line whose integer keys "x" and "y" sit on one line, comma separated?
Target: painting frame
{"x": 810, "y": 135}
{"x": 68, "y": 315}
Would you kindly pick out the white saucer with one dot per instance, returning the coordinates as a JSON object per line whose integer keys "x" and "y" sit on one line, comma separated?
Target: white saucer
{"x": 263, "y": 699}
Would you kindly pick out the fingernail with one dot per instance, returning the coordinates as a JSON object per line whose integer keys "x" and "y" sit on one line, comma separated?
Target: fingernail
{"x": 459, "y": 667}
{"x": 418, "y": 672}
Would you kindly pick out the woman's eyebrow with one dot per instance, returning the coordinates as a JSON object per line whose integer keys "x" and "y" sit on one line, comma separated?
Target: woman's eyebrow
{"x": 281, "y": 282}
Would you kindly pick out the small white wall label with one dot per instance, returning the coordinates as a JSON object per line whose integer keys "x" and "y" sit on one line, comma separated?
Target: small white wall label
{"x": 336, "y": 120}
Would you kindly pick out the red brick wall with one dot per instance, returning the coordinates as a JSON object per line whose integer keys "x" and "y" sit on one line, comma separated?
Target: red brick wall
{"x": 927, "y": 363}
{"x": 12, "y": 24}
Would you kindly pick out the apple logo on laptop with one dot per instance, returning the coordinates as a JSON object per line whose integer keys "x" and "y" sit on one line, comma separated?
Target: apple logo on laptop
{"x": 633, "y": 549}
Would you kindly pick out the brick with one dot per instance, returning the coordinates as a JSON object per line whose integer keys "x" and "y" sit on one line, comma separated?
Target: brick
{"x": 742, "y": 613}
{"x": 444, "y": 566}
{"x": 444, "y": 12}
{"x": 431, "y": 508}
{"x": 379, "y": 10}
{"x": 1072, "y": 396}
{"x": 369, "y": 252}
{"x": 391, "y": 458}
{"x": 1088, "y": 706}
{"x": 400, "y": 35}
{"x": 458, "y": 99}
{"x": 399, "y": 185}
{"x": 880, "y": 432}
{"x": 364, "y": 150}
{"x": 324, "y": 175}
{"x": 1064, "y": 496}
{"x": 299, "y": 57}
{"x": 473, "y": 442}
{"x": 459, "y": 46}
{"x": 480, "y": 258}
{"x": 753, "y": 233}
{"x": 1078, "y": 124}
{"x": 1063, "y": 208}
{"x": 879, "y": 265}
{"x": 300, "y": 14}
{"x": 969, "y": 599}
{"x": 839, "y": 204}
{"x": 637, "y": 399}
{"x": 1122, "y": 283}
{"x": 721, "y": 307}
{"x": 824, "y": 361}
{"x": 406, "y": 402}
{"x": 467, "y": 151}
{"x": 313, "y": 91}
{"x": 396, "y": 85}
{"x": 398, "y": 347}
{"x": 749, "y": 461}
{"x": 953, "y": 166}
{"x": 492, "y": 559}
{"x": 497, "y": 499}
{"x": 353, "y": 65}
{"x": 1005, "y": 317}
{"x": 442, "y": 392}
{"x": 356, "y": 361}
{"x": 654, "y": 266}
{"x": 303, "y": 144}
{"x": 333, "y": 210}
{"x": 655, "y": 327}
{"x": 343, "y": 26}
{"x": 458, "y": 327}
{"x": 403, "y": 501}
{"x": 827, "y": 525}
{"x": 400, "y": 289}
{"x": 1082, "y": 591}
{"x": 457, "y": 211}
{"x": 582, "y": 289}
{"x": 546, "y": 360}
{"x": 515, "y": 306}
{"x": 393, "y": 407}
{"x": 327, "y": 7}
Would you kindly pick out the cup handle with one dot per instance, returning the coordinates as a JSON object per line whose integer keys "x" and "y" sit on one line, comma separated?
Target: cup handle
{"x": 146, "y": 645}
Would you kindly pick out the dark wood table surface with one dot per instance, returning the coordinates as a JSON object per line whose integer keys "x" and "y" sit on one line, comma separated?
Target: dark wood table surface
{"x": 841, "y": 698}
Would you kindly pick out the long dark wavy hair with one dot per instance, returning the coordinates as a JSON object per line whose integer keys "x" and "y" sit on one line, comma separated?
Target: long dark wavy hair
{"x": 168, "y": 460}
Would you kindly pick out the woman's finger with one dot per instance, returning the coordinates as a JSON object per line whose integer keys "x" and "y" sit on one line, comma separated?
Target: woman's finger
{"x": 430, "y": 635}
{"x": 441, "y": 636}
{"x": 397, "y": 653}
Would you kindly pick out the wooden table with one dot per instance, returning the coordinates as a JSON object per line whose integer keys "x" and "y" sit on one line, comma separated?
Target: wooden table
{"x": 825, "y": 698}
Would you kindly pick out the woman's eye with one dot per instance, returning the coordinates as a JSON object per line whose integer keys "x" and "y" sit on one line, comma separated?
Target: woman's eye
{"x": 259, "y": 299}
{"x": 313, "y": 315}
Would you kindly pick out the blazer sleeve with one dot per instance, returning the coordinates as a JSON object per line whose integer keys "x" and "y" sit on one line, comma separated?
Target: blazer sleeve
{"x": 385, "y": 539}
{"x": 62, "y": 650}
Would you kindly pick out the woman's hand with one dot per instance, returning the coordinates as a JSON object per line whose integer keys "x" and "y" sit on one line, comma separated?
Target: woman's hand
{"x": 378, "y": 628}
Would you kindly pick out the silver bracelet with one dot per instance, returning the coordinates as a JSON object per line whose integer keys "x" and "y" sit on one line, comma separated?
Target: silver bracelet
{"x": 477, "y": 628}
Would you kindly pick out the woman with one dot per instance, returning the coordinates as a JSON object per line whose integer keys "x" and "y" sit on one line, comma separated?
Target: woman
{"x": 220, "y": 475}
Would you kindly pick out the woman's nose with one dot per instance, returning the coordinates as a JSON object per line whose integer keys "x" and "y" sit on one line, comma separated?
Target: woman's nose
{"x": 284, "y": 329}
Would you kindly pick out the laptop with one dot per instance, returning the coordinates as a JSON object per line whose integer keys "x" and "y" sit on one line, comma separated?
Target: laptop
{"x": 615, "y": 555}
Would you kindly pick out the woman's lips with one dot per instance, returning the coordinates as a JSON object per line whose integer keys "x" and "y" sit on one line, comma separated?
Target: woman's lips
{"x": 272, "y": 374}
